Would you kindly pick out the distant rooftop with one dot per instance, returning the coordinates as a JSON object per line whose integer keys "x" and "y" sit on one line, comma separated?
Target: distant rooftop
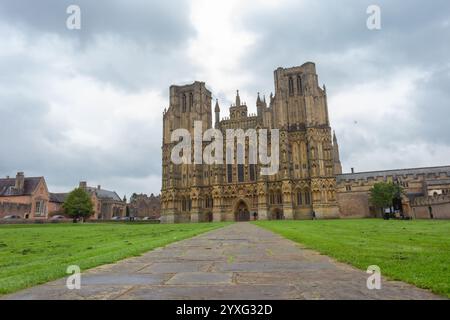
{"x": 104, "y": 194}
{"x": 58, "y": 197}
{"x": 7, "y": 186}
{"x": 394, "y": 173}
{"x": 101, "y": 194}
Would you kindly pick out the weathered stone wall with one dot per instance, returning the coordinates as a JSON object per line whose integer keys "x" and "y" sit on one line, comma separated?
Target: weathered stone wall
{"x": 353, "y": 192}
{"x": 14, "y": 208}
{"x": 354, "y": 204}
{"x": 426, "y": 207}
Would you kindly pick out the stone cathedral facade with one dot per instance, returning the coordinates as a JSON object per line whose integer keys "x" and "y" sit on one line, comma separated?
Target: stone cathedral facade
{"x": 305, "y": 184}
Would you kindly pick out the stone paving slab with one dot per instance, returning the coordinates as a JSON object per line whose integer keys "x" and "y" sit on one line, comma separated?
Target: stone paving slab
{"x": 239, "y": 261}
{"x": 201, "y": 278}
{"x": 213, "y": 292}
{"x": 176, "y": 266}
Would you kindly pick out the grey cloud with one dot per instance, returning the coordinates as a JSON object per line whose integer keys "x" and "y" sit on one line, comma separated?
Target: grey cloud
{"x": 411, "y": 33}
{"x": 414, "y": 35}
{"x": 163, "y": 22}
{"x": 129, "y": 44}
{"x": 433, "y": 107}
{"x": 32, "y": 144}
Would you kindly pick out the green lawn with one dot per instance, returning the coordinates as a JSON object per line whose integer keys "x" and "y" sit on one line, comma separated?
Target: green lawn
{"x": 416, "y": 251}
{"x": 34, "y": 254}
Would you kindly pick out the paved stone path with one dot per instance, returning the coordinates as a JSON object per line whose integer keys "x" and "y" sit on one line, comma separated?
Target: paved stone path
{"x": 240, "y": 261}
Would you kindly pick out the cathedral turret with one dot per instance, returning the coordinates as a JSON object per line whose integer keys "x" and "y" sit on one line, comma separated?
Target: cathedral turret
{"x": 337, "y": 161}
{"x": 238, "y": 99}
{"x": 217, "y": 114}
{"x": 260, "y": 105}
{"x": 258, "y": 100}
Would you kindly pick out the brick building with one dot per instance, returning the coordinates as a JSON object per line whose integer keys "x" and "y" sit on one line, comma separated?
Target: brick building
{"x": 107, "y": 204}
{"x": 142, "y": 206}
{"x": 27, "y": 197}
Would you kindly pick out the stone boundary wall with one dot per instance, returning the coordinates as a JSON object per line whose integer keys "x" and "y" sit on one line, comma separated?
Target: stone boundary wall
{"x": 440, "y": 207}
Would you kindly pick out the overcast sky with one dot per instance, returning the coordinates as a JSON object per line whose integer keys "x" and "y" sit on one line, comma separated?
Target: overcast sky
{"x": 87, "y": 104}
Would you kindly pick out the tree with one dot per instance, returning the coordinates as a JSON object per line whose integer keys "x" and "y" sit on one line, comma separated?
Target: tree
{"x": 133, "y": 197}
{"x": 382, "y": 194}
{"x": 78, "y": 204}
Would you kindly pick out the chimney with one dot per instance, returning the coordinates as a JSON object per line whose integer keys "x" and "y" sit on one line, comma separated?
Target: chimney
{"x": 99, "y": 187}
{"x": 83, "y": 185}
{"x": 353, "y": 170}
{"x": 20, "y": 181}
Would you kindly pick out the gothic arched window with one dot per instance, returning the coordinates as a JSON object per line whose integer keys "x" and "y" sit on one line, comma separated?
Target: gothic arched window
{"x": 191, "y": 101}
{"x": 279, "y": 197}
{"x": 299, "y": 85}
{"x": 252, "y": 172}
{"x": 240, "y": 173}
{"x": 183, "y": 103}
{"x": 291, "y": 86}
{"x": 229, "y": 173}
{"x": 307, "y": 198}
{"x": 299, "y": 198}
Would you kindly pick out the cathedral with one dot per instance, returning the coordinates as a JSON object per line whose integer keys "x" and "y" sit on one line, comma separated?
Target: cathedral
{"x": 304, "y": 187}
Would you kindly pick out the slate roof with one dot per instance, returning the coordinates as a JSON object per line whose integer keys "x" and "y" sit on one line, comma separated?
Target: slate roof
{"x": 101, "y": 194}
{"x": 7, "y": 186}
{"x": 394, "y": 173}
{"x": 58, "y": 197}
{"x": 105, "y": 194}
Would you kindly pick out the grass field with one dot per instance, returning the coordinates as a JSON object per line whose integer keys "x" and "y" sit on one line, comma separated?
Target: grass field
{"x": 34, "y": 254}
{"x": 416, "y": 251}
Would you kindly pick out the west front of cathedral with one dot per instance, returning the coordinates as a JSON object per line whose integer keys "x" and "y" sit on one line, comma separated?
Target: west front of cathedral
{"x": 305, "y": 184}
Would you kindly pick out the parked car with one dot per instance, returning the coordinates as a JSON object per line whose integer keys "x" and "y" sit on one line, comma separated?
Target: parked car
{"x": 116, "y": 218}
{"x": 12, "y": 217}
{"x": 125, "y": 219}
{"x": 57, "y": 217}
{"x": 146, "y": 218}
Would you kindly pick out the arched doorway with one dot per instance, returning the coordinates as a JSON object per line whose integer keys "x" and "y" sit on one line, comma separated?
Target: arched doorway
{"x": 398, "y": 206}
{"x": 277, "y": 214}
{"x": 241, "y": 213}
